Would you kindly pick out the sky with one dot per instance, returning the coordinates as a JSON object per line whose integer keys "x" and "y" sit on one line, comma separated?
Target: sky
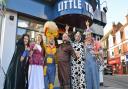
{"x": 117, "y": 10}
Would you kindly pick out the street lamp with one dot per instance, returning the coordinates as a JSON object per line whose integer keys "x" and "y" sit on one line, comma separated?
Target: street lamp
{"x": 104, "y": 8}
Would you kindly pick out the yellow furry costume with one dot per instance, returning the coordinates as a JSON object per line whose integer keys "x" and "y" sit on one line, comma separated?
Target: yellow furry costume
{"x": 51, "y": 31}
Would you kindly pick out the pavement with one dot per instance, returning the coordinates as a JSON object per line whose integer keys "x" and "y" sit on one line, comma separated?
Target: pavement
{"x": 110, "y": 81}
{"x": 115, "y": 82}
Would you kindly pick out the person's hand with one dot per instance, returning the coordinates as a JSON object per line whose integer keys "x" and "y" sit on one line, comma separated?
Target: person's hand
{"x": 77, "y": 54}
{"x": 74, "y": 29}
{"x": 31, "y": 52}
{"x": 35, "y": 47}
{"x": 21, "y": 59}
{"x": 66, "y": 28}
{"x": 28, "y": 49}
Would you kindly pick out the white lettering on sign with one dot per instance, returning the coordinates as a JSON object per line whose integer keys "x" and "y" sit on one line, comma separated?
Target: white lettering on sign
{"x": 74, "y": 4}
{"x": 70, "y": 3}
{"x": 65, "y": 4}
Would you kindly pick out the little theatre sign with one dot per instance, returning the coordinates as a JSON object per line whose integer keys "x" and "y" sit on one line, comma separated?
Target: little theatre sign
{"x": 75, "y": 5}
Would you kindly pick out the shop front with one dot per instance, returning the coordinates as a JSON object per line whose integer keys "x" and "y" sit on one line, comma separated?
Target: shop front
{"x": 116, "y": 65}
{"x": 71, "y": 12}
{"x": 29, "y": 17}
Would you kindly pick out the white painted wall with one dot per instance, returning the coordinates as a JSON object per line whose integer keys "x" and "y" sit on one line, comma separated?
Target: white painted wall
{"x": 7, "y": 42}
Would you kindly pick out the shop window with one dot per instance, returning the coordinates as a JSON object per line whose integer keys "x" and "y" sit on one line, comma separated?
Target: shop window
{"x": 20, "y": 32}
{"x": 29, "y": 26}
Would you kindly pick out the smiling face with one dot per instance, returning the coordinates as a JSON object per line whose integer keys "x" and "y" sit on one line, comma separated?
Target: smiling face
{"x": 38, "y": 39}
{"x": 51, "y": 42}
{"x": 78, "y": 36}
{"x": 65, "y": 37}
{"x": 88, "y": 38}
{"x": 26, "y": 40}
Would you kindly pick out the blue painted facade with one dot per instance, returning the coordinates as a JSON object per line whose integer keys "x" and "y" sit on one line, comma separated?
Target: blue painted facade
{"x": 41, "y": 9}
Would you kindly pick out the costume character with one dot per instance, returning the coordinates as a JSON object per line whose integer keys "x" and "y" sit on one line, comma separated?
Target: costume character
{"x": 91, "y": 66}
{"x": 65, "y": 51}
{"x": 51, "y": 32}
{"x": 16, "y": 76}
{"x": 36, "y": 63}
{"x": 77, "y": 65}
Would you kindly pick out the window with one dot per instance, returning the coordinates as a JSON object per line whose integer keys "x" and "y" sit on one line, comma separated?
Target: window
{"x": 111, "y": 52}
{"x": 97, "y": 38}
{"x": 110, "y": 41}
{"x": 126, "y": 32}
{"x": 118, "y": 37}
{"x": 119, "y": 49}
{"x": 29, "y": 26}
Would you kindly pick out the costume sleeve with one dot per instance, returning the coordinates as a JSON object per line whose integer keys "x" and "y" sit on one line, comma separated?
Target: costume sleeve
{"x": 71, "y": 37}
{"x": 19, "y": 49}
{"x": 101, "y": 52}
{"x": 24, "y": 53}
{"x": 32, "y": 46}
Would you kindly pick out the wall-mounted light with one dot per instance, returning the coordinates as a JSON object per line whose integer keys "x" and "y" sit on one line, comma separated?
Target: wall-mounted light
{"x": 11, "y": 18}
{"x": 105, "y": 9}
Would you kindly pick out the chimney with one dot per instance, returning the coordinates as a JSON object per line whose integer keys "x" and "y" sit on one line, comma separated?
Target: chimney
{"x": 113, "y": 28}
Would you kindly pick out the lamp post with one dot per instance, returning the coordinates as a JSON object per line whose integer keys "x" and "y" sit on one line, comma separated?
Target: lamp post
{"x": 104, "y": 8}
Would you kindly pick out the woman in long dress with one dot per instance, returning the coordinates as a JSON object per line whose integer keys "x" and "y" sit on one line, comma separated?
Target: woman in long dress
{"x": 91, "y": 67}
{"x": 16, "y": 76}
{"x": 35, "y": 74}
{"x": 77, "y": 65}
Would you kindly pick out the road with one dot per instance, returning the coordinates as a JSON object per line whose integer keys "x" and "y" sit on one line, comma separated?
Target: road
{"x": 115, "y": 82}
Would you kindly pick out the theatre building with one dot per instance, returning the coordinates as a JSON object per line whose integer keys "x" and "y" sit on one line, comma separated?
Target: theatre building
{"x": 29, "y": 16}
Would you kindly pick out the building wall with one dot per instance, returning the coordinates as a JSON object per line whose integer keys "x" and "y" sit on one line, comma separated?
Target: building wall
{"x": 31, "y": 7}
{"x": 8, "y": 38}
{"x": 7, "y": 42}
{"x": 120, "y": 46}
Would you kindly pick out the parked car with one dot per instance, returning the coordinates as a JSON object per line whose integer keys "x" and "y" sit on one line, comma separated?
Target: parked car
{"x": 108, "y": 70}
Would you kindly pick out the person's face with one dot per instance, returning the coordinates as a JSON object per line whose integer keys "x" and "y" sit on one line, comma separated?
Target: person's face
{"x": 51, "y": 42}
{"x": 26, "y": 39}
{"x": 89, "y": 35}
{"x": 38, "y": 38}
{"x": 89, "y": 38}
{"x": 65, "y": 37}
{"x": 77, "y": 37}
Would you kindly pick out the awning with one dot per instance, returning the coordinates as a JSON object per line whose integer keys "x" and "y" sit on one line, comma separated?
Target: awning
{"x": 74, "y": 20}
{"x": 114, "y": 61}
